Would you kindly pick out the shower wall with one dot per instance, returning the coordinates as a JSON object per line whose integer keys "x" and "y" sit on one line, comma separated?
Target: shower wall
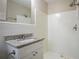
{"x": 62, "y": 38}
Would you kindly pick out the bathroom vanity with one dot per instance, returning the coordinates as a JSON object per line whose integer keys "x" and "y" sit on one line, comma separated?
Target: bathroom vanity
{"x": 26, "y": 49}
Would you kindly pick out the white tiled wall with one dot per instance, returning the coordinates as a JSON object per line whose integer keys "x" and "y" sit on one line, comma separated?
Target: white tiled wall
{"x": 61, "y": 36}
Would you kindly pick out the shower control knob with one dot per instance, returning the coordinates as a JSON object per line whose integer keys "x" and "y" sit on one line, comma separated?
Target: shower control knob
{"x": 34, "y": 53}
{"x": 13, "y": 52}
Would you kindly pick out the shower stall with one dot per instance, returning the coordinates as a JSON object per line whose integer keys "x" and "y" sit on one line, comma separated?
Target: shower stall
{"x": 63, "y": 34}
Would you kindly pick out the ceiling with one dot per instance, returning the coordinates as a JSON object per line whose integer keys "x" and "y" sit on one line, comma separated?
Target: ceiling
{"x": 58, "y": 5}
{"x": 50, "y": 2}
{"x": 53, "y": 5}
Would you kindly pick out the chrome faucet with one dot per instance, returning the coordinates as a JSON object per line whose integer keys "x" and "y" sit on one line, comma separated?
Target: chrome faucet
{"x": 23, "y": 37}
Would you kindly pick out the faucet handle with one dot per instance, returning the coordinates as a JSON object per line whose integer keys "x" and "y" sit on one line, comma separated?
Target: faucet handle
{"x": 23, "y": 36}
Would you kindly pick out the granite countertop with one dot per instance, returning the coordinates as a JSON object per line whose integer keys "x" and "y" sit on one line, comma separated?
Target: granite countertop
{"x": 20, "y": 44}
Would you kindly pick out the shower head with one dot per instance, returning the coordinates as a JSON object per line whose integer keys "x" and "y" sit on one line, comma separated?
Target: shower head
{"x": 74, "y": 3}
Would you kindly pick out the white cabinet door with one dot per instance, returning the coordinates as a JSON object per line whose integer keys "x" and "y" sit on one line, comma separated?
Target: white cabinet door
{"x": 3, "y": 6}
{"x": 28, "y": 56}
{"x": 35, "y": 54}
{"x": 34, "y": 51}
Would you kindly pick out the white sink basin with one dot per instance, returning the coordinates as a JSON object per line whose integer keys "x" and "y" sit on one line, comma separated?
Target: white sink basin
{"x": 25, "y": 41}
{"x": 17, "y": 43}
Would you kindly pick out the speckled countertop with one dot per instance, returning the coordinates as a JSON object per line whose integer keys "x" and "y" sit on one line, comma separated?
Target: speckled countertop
{"x": 20, "y": 44}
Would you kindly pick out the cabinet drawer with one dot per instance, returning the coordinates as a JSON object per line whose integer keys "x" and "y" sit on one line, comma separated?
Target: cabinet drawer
{"x": 30, "y": 48}
{"x": 35, "y": 54}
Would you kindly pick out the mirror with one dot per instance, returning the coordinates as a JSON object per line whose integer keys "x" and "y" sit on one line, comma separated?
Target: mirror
{"x": 19, "y": 11}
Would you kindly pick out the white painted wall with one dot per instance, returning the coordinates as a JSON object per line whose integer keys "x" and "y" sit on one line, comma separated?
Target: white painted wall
{"x": 41, "y": 27}
{"x": 7, "y": 29}
{"x": 41, "y": 5}
{"x": 41, "y": 17}
{"x": 3, "y": 4}
{"x": 61, "y": 36}
{"x": 77, "y": 0}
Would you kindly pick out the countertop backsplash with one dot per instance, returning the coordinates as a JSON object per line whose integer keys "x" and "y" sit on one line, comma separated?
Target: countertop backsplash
{"x": 20, "y": 36}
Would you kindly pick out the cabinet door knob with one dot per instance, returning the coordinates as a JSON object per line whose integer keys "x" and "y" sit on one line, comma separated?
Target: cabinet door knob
{"x": 34, "y": 53}
{"x": 13, "y": 52}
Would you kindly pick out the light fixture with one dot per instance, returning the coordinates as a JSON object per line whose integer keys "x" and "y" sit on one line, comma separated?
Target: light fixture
{"x": 58, "y": 15}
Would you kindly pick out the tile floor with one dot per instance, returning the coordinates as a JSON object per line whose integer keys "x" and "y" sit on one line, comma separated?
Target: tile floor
{"x": 50, "y": 55}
